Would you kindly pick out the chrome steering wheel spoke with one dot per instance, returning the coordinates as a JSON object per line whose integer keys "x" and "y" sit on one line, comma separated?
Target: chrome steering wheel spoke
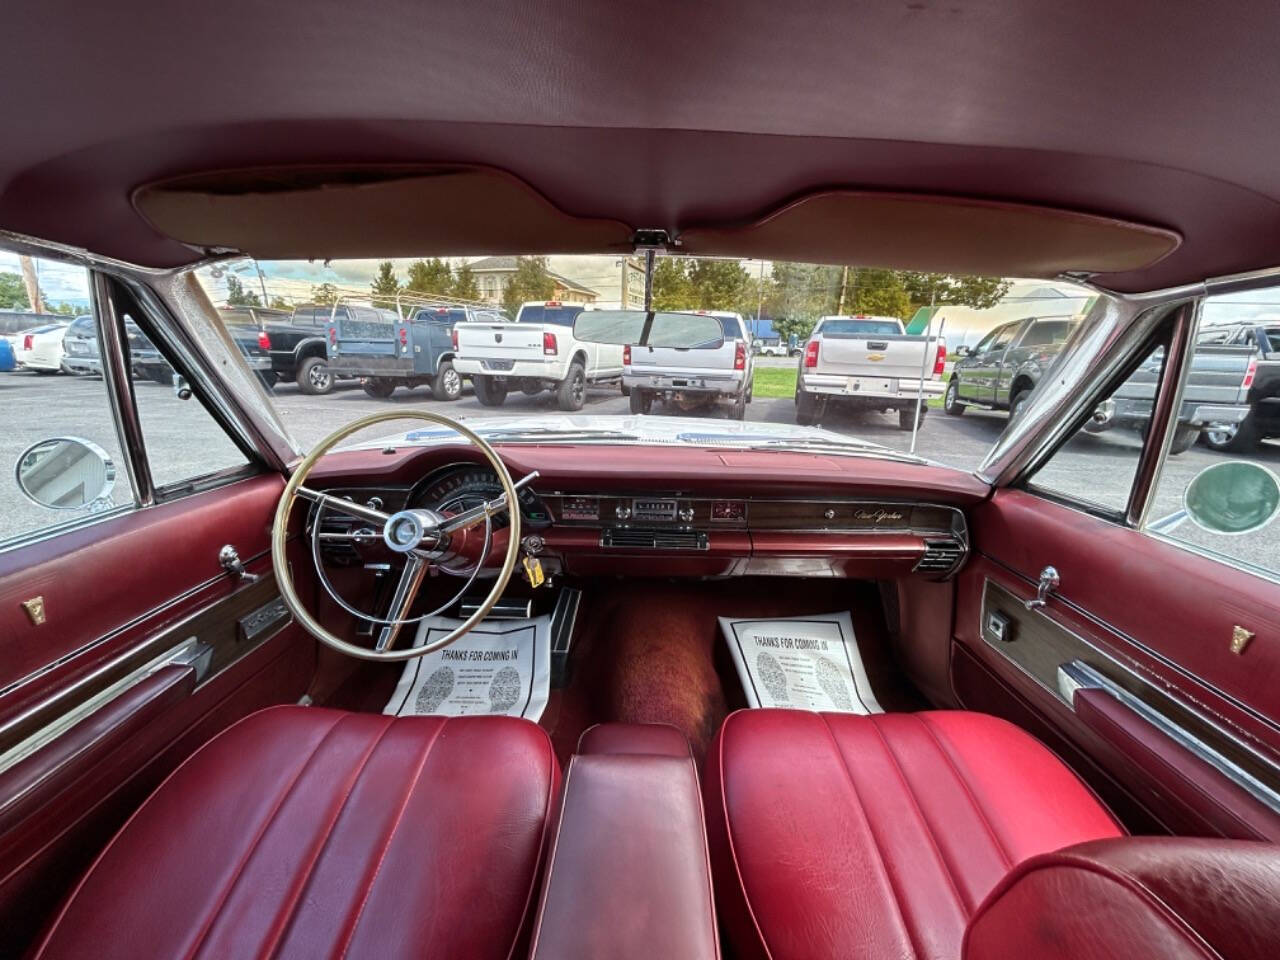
{"x": 478, "y": 514}
{"x": 415, "y": 568}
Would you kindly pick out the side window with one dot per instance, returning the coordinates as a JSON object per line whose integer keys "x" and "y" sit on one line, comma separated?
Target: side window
{"x": 1097, "y": 466}
{"x": 183, "y": 440}
{"x": 1004, "y": 336}
{"x": 1222, "y": 497}
{"x": 60, "y": 457}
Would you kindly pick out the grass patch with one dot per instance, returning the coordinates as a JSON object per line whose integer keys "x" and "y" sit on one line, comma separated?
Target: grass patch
{"x": 775, "y": 382}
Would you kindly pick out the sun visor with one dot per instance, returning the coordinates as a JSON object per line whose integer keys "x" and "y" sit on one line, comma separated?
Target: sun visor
{"x": 937, "y": 234}
{"x": 384, "y": 211}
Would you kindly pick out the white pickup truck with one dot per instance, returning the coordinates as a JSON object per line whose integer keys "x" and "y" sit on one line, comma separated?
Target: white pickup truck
{"x": 870, "y": 363}
{"x": 687, "y": 378}
{"x": 537, "y": 352}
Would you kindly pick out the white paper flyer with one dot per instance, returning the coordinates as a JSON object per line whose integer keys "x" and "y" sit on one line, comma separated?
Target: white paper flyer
{"x": 500, "y": 667}
{"x": 803, "y": 663}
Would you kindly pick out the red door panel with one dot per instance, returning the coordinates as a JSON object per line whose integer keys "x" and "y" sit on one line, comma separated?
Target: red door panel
{"x": 1162, "y": 612}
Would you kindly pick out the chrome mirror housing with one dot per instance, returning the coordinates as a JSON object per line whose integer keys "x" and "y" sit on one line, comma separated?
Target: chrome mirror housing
{"x": 65, "y": 473}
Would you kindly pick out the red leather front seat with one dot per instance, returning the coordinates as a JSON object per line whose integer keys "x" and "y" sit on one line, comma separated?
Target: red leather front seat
{"x": 834, "y": 835}
{"x": 314, "y": 833}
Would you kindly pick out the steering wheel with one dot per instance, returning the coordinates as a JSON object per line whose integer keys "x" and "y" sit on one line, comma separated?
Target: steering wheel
{"x": 423, "y": 537}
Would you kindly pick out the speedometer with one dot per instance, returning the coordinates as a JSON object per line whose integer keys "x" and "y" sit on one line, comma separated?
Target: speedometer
{"x": 455, "y": 489}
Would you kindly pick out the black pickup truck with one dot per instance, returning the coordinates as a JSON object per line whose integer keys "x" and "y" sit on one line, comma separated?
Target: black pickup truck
{"x": 1261, "y": 380}
{"x": 297, "y": 343}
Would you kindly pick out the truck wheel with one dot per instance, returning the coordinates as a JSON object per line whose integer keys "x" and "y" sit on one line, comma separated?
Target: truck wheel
{"x": 806, "y": 408}
{"x": 489, "y": 391}
{"x": 314, "y": 377}
{"x": 447, "y": 384}
{"x": 1018, "y": 402}
{"x": 572, "y": 392}
{"x": 951, "y": 402}
{"x": 1239, "y": 437}
{"x": 1184, "y": 438}
{"x": 739, "y": 409}
{"x": 907, "y": 417}
{"x": 626, "y": 391}
{"x": 641, "y": 402}
{"x": 378, "y": 387}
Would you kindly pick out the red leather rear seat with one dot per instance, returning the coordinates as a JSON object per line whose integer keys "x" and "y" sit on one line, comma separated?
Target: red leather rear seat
{"x": 834, "y": 835}
{"x": 314, "y": 833}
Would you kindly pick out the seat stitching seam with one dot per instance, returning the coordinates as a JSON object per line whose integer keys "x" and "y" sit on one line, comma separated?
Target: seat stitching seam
{"x": 284, "y": 921}
{"x": 968, "y": 792}
{"x": 924, "y": 820}
{"x": 354, "y": 922}
{"x": 875, "y": 841}
{"x": 266, "y": 825}
{"x": 552, "y": 770}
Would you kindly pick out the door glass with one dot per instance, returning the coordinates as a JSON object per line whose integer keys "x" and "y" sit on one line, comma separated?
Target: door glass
{"x": 60, "y": 457}
{"x": 1096, "y": 467}
{"x": 1232, "y": 396}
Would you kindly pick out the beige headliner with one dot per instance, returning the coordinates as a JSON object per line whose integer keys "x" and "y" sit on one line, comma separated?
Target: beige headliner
{"x": 330, "y": 212}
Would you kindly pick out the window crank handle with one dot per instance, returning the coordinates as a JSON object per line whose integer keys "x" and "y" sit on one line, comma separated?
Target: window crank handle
{"x": 1049, "y": 583}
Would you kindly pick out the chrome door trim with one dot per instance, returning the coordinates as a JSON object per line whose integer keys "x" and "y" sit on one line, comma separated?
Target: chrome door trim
{"x": 1078, "y": 675}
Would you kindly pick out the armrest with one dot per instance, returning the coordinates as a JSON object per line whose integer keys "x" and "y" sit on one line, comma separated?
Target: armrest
{"x": 1220, "y": 805}
{"x": 628, "y": 874}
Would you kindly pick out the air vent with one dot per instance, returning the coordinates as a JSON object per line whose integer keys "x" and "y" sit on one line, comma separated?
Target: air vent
{"x": 941, "y": 558}
{"x": 633, "y": 539}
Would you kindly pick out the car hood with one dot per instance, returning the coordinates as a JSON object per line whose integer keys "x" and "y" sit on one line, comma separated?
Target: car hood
{"x": 644, "y": 430}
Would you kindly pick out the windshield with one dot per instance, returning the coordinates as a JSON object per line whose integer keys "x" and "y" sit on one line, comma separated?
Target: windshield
{"x": 728, "y": 360}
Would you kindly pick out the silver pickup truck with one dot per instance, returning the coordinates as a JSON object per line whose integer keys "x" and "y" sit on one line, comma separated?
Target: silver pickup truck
{"x": 870, "y": 363}
{"x": 1216, "y": 393}
{"x": 689, "y": 378}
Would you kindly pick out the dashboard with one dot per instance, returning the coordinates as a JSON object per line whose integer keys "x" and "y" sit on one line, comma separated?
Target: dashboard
{"x": 665, "y": 530}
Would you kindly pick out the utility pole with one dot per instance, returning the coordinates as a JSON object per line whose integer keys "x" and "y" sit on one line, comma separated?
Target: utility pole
{"x": 844, "y": 282}
{"x": 32, "y": 283}
{"x": 759, "y": 298}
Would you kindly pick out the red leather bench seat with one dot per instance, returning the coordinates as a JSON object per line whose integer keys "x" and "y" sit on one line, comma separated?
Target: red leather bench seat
{"x": 835, "y": 835}
{"x": 628, "y": 875}
{"x": 314, "y": 833}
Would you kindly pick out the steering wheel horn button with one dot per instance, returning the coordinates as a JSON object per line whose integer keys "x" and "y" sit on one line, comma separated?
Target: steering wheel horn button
{"x": 405, "y": 531}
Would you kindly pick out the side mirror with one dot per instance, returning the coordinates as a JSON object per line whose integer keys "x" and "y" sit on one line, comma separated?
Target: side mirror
{"x": 66, "y": 473}
{"x": 963, "y": 351}
{"x": 1233, "y": 497}
{"x": 181, "y": 389}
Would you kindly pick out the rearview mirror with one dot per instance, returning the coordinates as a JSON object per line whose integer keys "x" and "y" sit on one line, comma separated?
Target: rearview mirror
{"x": 1234, "y": 497}
{"x": 66, "y": 473}
{"x": 685, "y": 331}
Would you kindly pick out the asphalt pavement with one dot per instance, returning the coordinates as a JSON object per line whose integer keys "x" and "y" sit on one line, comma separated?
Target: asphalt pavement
{"x": 187, "y": 443}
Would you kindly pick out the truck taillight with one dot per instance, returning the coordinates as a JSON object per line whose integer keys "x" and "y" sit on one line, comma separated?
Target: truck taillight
{"x": 1249, "y": 374}
{"x": 940, "y": 361}
{"x": 27, "y": 341}
{"x": 549, "y": 346}
{"x": 811, "y": 354}
{"x": 626, "y": 355}
{"x": 454, "y": 337}
{"x": 333, "y": 336}
{"x": 264, "y": 341}
{"x": 740, "y": 356}
{"x": 404, "y": 337}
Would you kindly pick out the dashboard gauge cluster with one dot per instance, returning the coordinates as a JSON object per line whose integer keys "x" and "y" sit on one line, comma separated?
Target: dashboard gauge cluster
{"x": 462, "y": 486}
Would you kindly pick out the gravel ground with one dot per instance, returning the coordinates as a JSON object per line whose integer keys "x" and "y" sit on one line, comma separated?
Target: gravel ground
{"x": 1099, "y": 468}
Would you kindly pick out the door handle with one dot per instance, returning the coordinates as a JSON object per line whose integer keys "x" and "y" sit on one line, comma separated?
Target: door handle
{"x": 1049, "y": 583}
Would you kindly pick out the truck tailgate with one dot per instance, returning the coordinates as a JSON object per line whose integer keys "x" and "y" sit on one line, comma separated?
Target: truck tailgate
{"x": 500, "y": 341}
{"x": 897, "y": 356}
{"x": 366, "y": 337}
{"x": 660, "y": 360}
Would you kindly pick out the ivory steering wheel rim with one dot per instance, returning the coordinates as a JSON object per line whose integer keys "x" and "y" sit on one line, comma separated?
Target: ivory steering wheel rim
{"x": 280, "y": 531}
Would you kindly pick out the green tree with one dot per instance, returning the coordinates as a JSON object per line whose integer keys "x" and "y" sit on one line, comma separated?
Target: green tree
{"x": 799, "y": 327}
{"x": 465, "y": 285}
{"x": 801, "y": 293}
{"x": 531, "y": 281}
{"x": 671, "y": 290}
{"x": 324, "y": 293}
{"x": 238, "y": 296}
{"x": 13, "y": 294}
{"x": 280, "y": 303}
{"x": 717, "y": 284}
{"x": 430, "y": 277}
{"x": 877, "y": 292}
{"x": 385, "y": 285}
{"x": 927, "y": 289}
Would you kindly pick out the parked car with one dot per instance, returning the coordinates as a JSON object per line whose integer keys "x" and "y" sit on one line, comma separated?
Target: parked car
{"x": 80, "y": 347}
{"x": 386, "y": 351}
{"x": 869, "y": 363}
{"x": 690, "y": 378}
{"x": 537, "y": 352}
{"x": 1005, "y": 366}
{"x": 769, "y": 347}
{"x": 7, "y": 360}
{"x": 40, "y": 348}
{"x": 1215, "y": 394}
{"x": 251, "y": 330}
{"x": 299, "y": 343}
{"x": 1262, "y": 381}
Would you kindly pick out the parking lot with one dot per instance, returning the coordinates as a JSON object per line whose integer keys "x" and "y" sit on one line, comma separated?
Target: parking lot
{"x": 187, "y": 443}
